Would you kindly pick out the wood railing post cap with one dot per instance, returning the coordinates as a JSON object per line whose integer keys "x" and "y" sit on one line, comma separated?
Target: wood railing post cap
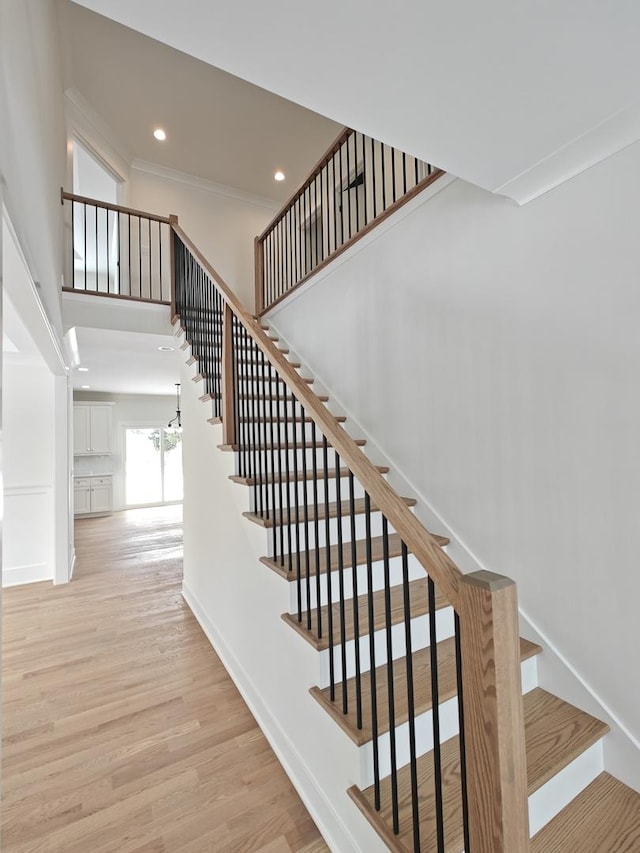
{"x": 488, "y": 581}
{"x": 173, "y": 219}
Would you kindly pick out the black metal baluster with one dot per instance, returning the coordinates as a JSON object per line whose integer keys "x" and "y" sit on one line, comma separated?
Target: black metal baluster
{"x": 72, "y": 272}
{"x": 404, "y": 173}
{"x": 245, "y": 426}
{"x": 411, "y": 703}
{"x": 435, "y": 714}
{"x": 356, "y": 181}
{"x": 140, "y": 257}
{"x": 106, "y": 212}
{"x": 356, "y": 603}
{"x": 349, "y": 183}
{"x": 272, "y": 422}
{"x": 305, "y": 505}
{"x": 327, "y": 549}
{"x": 343, "y": 625}
{"x": 95, "y": 211}
{"x": 279, "y": 454}
{"x": 265, "y": 441}
{"x": 372, "y": 653}
{"x": 373, "y": 178}
{"x": 383, "y": 178}
{"x": 336, "y": 197}
{"x": 129, "y": 247}
{"x": 390, "y": 685}
{"x": 287, "y": 477}
{"x": 461, "y": 737}
{"x": 296, "y": 496}
{"x": 85, "y": 245}
{"x": 162, "y": 294}
{"x": 150, "y": 279}
{"x": 316, "y": 528}
{"x": 365, "y": 177}
{"x": 341, "y": 191}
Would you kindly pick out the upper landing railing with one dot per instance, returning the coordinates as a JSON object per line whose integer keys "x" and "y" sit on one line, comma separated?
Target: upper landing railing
{"x": 117, "y": 251}
{"x": 356, "y": 184}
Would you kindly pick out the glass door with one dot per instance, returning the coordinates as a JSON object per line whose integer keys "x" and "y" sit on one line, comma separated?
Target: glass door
{"x": 153, "y": 465}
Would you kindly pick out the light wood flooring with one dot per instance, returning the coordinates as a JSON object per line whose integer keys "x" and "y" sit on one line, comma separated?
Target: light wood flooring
{"x": 121, "y": 729}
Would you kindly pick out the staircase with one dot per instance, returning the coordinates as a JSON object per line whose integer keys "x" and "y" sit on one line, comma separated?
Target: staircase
{"x": 384, "y": 633}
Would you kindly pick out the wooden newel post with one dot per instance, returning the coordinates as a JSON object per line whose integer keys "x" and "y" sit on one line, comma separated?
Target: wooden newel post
{"x": 259, "y": 276}
{"x": 493, "y": 715}
{"x": 228, "y": 390}
{"x": 173, "y": 220}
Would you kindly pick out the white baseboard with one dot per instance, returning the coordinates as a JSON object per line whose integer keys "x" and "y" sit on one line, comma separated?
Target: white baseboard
{"x": 72, "y": 562}
{"x": 18, "y": 575}
{"x": 328, "y": 822}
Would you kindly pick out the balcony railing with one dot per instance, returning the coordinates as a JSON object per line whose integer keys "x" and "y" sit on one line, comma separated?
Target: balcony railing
{"x": 117, "y": 251}
{"x": 355, "y": 185}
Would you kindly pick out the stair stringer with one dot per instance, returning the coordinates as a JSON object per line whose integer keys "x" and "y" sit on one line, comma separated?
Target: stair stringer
{"x": 621, "y": 750}
{"x": 238, "y": 603}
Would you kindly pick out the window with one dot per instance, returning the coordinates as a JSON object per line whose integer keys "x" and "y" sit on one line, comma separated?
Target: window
{"x": 153, "y": 465}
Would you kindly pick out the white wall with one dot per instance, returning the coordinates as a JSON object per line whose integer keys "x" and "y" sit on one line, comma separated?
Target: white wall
{"x": 128, "y": 410}
{"x": 32, "y": 138}
{"x": 492, "y": 353}
{"x": 223, "y": 227}
{"x": 28, "y": 552}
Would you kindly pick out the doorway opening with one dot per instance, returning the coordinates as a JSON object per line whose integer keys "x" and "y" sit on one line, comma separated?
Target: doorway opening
{"x": 153, "y": 465}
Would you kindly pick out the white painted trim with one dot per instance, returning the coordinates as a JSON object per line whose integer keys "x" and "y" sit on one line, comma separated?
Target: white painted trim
{"x": 203, "y": 184}
{"x": 360, "y": 245}
{"x": 91, "y": 129}
{"x": 27, "y": 489}
{"x": 19, "y": 575}
{"x": 72, "y": 562}
{"x": 52, "y": 353}
{"x": 613, "y": 134}
{"x": 550, "y": 646}
{"x": 328, "y": 822}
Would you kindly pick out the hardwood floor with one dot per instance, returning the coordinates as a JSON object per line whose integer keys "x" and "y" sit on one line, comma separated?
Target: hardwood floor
{"x": 121, "y": 729}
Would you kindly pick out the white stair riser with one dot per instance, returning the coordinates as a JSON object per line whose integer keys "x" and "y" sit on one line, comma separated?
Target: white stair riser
{"x": 307, "y": 532}
{"x": 416, "y": 572}
{"x": 420, "y": 639}
{"x": 294, "y": 434}
{"x": 449, "y": 727}
{"x": 278, "y": 493}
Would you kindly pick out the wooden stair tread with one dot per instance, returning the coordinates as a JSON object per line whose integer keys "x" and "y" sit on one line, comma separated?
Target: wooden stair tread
{"x": 250, "y": 378}
{"x": 321, "y": 474}
{"x": 555, "y": 734}
{"x": 286, "y": 419}
{"x": 308, "y": 445}
{"x": 421, "y": 661}
{"x": 279, "y": 518}
{"x": 418, "y": 601}
{"x": 604, "y": 818}
{"x": 361, "y": 555}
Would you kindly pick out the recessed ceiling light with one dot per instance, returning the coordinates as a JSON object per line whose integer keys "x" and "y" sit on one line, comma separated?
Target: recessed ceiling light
{"x": 82, "y": 369}
{"x": 166, "y": 349}
{"x": 160, "y": 134}
{"x": 85, "y": 387}
{"x": 279, "y": 176}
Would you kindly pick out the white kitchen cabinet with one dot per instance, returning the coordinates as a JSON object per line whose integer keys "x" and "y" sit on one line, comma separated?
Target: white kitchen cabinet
{"x": 91, "y": 430}
{"x": 93, "y": 495}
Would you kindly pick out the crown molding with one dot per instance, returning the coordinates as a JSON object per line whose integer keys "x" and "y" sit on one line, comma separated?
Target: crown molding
{"x": 203, "y": 184}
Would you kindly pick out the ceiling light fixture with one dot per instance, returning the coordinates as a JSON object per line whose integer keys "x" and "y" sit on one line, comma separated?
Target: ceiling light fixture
{"x": 85, "y": 387}
{"x": 82, "y": 369}
{"x": 166, "y": 349}
{"x": 159, "y": 134}
{"x": 279, "y": 176}
{"x": 178, "y": 418}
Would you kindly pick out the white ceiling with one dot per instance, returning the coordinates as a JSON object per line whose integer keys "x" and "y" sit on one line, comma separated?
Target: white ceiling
{"x": 218, "y": 127}
{"x": 513, "y": 96}
{"x": 126, "y": 362}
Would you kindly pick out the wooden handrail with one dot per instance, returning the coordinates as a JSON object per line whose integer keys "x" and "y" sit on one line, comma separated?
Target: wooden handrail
{"x": 422, "y": 545}
{"x": 117, "y": 208}
{"x": 331, "y": 150}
